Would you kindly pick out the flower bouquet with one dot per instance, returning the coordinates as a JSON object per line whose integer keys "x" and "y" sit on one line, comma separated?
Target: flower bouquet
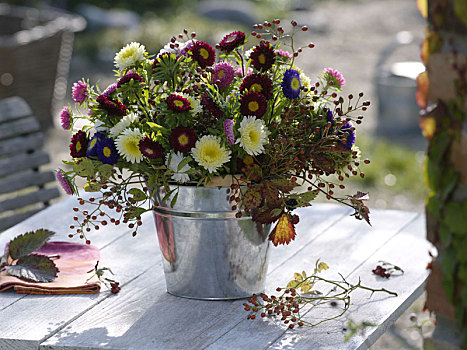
{"x": 213, "y": 116}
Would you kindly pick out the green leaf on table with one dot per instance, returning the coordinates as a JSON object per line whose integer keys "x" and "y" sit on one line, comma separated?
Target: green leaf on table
{"x": 27, "y": 243}
{"x": 105, "y": 171}
{"x": 92, "y": 187}
{"x": 34, "y": 267}
{"x": 84, "y": 168}
{"x": 137, "y": 194}
{"x": 134, "y": 212}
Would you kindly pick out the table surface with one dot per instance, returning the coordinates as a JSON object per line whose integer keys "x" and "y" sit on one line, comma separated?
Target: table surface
{"x": 144, "y": 316}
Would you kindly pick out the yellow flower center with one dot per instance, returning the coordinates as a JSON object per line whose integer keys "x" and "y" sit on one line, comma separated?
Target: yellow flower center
{"x": 295, "y": 84}
{"x": 178, "y": 103}
{"x": 204, "y": 53}
{"x": 149, "y": 151}
{"x": 78, "y": 146}
{"x": 248, "y": 160}
{"x": 211, "y": 153}
{"x": 183, "y": 140}
{"x": 253, "y": 106}
{"x": 220, "y": 74}
{"x": 256, "y": 87}
{"x": 262, "y": 59}
{"x": 254, "y": 137}
{"x": 93, "y": 143}
{"x": 132, "y": 146}
{"x": 107, "y": 151}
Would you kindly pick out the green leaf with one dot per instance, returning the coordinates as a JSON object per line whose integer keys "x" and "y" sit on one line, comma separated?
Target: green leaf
{"x": 135, "y": 212}
{"x": 174, "y": 200}
{"x": 34, "y": 267}
{"x": 322, "y": 266}
{"x": 137, "y": 194}
{"x": 184, "y": 162}
{"x": 105, "y": 171}
{"x": 27, "y": 243}
{"x": 92, "y": 187}
{"x": 84, "y": 168}
{"x": 277, "y": 211}
{"x": 298, "y": 277}
{"x": 455, "y": 217}
{"x": 292, "y": 284}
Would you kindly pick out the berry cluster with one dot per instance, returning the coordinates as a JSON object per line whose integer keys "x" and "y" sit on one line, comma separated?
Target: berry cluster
{"x": 385, "y": 269}
{"x": 115, "y": 288}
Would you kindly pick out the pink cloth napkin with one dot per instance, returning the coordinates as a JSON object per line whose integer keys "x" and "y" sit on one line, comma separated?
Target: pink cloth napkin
{"x": 74, "y": 262}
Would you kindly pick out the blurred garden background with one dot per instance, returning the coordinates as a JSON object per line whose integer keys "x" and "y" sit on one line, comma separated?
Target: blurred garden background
{"x": 375, "y": 44}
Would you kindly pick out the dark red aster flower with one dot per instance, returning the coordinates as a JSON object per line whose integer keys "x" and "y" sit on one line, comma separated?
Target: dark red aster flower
{"x": 203, "y": 53}
{"x": 262, "y": 57}
{"x": 253, "y": 103}
{"x": 178, "y": 103}
{"x": 259, "y": 83}
{"x": 232, "y": 41}
{"x": 182, "y": 139}
{"x": 79, "y": 145}
{"x": 129, "y": 76}
{"x": 112, "y": 107}
{"x": 211, "y": 106}
{"x": 150, "y": 148}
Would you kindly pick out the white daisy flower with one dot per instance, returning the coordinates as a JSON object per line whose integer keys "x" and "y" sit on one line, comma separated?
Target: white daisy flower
{"x": 126, "y": 121}
{"x": 253, "y": 135}
{"x": 168, "y": 49}
{"x": 209, "y": 153}
{"x": 305, "y": 80}
{"x": 130, "y": 55}
{"x": 100, "y": 126}
{"x": 128, "y": 145}
{"x": 172, "y": 161}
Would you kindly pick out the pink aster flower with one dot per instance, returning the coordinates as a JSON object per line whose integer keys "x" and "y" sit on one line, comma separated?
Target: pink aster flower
{"x": 239, "y": 73}
{"x": 223, "y": 75}
{"x": 65, "y": 118}
{"x": 64, "y": 182}
{"x": 334, "y": 76}
{"x": 228, "y": 128}
{"x": 80, "y": 91}
{"x": 109, "y": 90}
{"x": 282, "y": 53}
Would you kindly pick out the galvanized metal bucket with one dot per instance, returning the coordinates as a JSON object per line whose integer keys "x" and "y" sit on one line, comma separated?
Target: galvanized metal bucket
{"x": 207, "y": 252}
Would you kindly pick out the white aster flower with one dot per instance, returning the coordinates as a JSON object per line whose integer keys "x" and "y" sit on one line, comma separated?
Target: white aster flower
{"x": 305, "y": 80}
{"x": 100, "y": 126}
{"x": 172, "y": 161}
{"x": 128, "y": 145}
{"x": 130, "y": 55}
{"x": 253, "y": 135}
{"x": 194, "y": 103}
{"x": 124, "y": 123}
{"x": 168, "y": 49}
{"x": 209, "y": 153}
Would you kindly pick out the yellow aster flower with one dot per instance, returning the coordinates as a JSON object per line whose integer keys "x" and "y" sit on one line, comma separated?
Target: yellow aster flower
{"x": 130, "y": 55}
{"x": 209, "y": 153}
{"x": 253, "y": 135}
{"x": 128, "y": 145}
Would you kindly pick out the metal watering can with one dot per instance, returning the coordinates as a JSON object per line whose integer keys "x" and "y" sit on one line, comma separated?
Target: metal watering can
{"x": 396, "y": 87}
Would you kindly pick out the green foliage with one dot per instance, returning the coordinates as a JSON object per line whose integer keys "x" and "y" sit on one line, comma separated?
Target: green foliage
{"x": 25, "y": 244}
{"x": 18, "y": 260}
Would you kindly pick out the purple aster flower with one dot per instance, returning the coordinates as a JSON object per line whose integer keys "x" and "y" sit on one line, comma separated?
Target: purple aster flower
{"x": 334, "y": 77}
{"x": 291, "y": 84}
{"x": 228, "y": 128}
{"x": 109, "y": 90}
{"x": 80, "y": 92}
{"x": 223, "y": 75}
{"x": 64, "y": 182}
{"x": 350, "y": 140}
{"x": 65, "y": 118}
{"x": 239, "y": 72}
{"x": 91, "y": 152}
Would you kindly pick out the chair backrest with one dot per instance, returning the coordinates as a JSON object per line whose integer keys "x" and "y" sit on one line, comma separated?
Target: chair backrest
{"x": 22, "y": 184}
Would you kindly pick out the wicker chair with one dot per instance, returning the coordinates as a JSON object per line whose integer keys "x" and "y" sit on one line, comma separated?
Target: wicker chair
{"x": 35, "y": 53}
{"x": 23, "y": 190}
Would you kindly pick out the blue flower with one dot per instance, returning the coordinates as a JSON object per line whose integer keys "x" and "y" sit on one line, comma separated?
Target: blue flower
{"x": 106, "y": 151}
{"x": 349, "y": 142}
{"x": 92, "y": 145}
{"x": 291, "y": 84}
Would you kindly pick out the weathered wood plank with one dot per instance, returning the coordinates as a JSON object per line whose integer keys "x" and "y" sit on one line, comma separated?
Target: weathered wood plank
{"x": 25, "y": 179}
{"x": 47, "y": 314}
{"x": 21, "y": 144}
{"x": 147, "y": 318}
{"x": 341, "y": 247}
{"x": 409, "y": 249}
{"x": 9, "y": 221}
{"x": 19, "y": 127}
{"x": 22, "y": 162}
{"x": 13, "y": 108}
{"x": 39, "y": 196}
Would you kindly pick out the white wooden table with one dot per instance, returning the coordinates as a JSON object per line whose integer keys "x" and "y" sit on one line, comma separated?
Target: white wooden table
{"x": 144, "y": 316}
